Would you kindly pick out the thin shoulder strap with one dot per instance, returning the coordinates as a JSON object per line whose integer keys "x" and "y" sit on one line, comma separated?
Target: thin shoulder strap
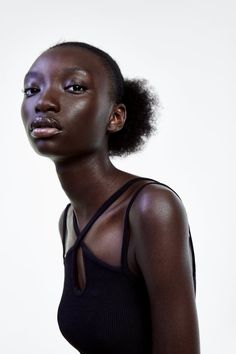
{"x": 104, "y": 206}
{"x": 82, "y": 233}
{"x": 126, "y": 234}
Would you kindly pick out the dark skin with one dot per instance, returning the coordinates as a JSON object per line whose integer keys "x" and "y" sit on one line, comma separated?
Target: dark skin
{"x": 71, "y": 86}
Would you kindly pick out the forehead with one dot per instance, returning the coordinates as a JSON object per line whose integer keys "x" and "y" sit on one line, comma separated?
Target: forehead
{"x": 66, "y": 58}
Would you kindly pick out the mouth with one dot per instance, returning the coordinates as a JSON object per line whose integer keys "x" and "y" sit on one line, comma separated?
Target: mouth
{"x": 44, "y": 127}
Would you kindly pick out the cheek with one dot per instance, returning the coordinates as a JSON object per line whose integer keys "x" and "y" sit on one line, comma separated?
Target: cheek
{"x": 86, "y": 116}
{"x": 28, "y": 108}
{"x": 24, "y": 113}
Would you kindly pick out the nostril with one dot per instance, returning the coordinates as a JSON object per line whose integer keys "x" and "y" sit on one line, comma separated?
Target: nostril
{"x": 45, "y": 105}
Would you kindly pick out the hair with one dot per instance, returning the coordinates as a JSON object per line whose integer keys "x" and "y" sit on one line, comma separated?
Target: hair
{"x": 139, "y": 99}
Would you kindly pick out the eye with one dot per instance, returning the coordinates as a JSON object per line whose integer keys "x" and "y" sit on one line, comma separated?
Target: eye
{"x": 30, "y": 91}
{"x": 76, "y": 88}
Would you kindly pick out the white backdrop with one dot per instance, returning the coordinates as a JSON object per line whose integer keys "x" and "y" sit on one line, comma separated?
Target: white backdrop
{"x": 186, "y": 49}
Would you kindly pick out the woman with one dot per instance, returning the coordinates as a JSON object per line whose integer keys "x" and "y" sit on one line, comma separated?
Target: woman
{"x": 129, "y": 263}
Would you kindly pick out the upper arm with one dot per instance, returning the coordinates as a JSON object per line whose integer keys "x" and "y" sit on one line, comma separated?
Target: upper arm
{"x": 160, "y": 230}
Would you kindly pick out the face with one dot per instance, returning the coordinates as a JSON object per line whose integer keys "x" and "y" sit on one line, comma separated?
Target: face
{"x": 67, "y": 105}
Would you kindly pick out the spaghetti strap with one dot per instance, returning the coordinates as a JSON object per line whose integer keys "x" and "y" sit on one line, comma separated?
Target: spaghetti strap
{"x": 82, "y": 233}
{"x": 125, "y": 244}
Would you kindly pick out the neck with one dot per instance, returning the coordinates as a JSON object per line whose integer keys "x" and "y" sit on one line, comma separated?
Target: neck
{"x": 88, "y": 181}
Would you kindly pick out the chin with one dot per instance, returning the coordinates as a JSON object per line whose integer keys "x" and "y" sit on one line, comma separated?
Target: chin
{"x": 45, "y": 147}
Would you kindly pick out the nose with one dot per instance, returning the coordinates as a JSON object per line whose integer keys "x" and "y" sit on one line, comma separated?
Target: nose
{"x": 47, "y": 101}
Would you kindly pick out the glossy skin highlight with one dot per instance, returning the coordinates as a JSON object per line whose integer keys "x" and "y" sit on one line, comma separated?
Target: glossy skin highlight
{"x": 76, "y": 97}
{"x": 71, "y": 88}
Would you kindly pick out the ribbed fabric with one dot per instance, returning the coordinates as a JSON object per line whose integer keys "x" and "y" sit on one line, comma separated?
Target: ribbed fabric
{"x": 111, "y": 315}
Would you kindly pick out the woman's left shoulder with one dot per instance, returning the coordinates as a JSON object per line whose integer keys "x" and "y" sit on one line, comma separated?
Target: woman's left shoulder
{"x": 160, "y": 232}
{"x": 158, "y": 203}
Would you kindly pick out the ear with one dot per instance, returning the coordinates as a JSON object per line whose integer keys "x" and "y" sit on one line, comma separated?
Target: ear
{"x": 117, "y": 118}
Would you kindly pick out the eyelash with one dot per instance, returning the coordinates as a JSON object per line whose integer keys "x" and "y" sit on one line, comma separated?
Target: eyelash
{"x": 30, "y": 91}
{"x": 27, "y": 89}
{"x": 78, "y": 86}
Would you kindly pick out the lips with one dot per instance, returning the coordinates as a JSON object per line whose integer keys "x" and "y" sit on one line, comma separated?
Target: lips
{"x": 44, "y": 127}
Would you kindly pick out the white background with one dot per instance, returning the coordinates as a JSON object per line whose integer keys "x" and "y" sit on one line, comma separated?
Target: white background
{"x": 186, "y": 49}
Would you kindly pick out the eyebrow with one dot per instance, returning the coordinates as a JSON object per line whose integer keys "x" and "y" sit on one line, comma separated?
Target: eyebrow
{"x": 31, "y": 74}
{"x": 66, "y": 70}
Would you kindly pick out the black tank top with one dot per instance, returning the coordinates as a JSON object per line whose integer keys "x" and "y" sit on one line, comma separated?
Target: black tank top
{"x": 111, "y": 314}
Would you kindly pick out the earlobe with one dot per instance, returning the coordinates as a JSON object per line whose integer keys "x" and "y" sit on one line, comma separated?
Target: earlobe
{"x": 117, "y": 119}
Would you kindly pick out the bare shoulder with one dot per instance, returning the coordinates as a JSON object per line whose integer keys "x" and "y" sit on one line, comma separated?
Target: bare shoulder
{"x": 160, "y": 206}
{"x": 160, "y": 233}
